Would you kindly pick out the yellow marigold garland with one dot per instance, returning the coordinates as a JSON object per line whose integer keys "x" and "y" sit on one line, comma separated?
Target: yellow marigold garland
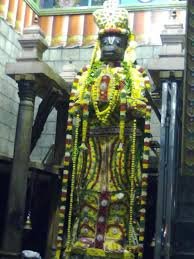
{"x": 75, "y": 153}
{"x": 62, "y": 206}
{"x": 132, "y": 183}
{"x": 123, "y": 110}
{"x": 144, "y": 180}
{"x": 113, "y": 99}
{"x": 86, "y": 91}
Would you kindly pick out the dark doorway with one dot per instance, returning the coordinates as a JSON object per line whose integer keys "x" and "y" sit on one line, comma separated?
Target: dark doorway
{"x": 41, "y": 202}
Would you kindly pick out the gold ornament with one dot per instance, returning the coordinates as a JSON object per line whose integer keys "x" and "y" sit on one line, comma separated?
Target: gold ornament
{"x": 112, "y": 18}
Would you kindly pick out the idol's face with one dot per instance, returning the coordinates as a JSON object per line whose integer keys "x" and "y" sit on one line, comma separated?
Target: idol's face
{"x": 113, "y": 47}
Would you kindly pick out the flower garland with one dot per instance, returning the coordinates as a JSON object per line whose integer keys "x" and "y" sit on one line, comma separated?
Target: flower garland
{"x": 129, "y": 79}
{"x": 85, "y": 112}
{"x": 144, "y": 180}
{"x": 125, "y": 91}
{"x": 75, "y": 153}
{"x": 104, "y": 114}
{"x": 123, "y": 110}
{"x": 132, "y": 183}
{"x": 91, "y": 168}
{"x": 62, "y": 207}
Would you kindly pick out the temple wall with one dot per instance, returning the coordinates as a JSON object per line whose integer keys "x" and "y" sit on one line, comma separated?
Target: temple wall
{"x": 56, "y": 58}
{"x": 9, "y": 49}
{"x": 9, "y": 100}
{"x": 47, "y": 138}
{"x": 155, "y": 127}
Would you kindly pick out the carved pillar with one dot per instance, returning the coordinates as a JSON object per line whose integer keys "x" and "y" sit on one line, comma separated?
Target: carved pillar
{"x": 12, "y": 240}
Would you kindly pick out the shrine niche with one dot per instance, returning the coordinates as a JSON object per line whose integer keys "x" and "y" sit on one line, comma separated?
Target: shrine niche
{"x": 107, "y": 149}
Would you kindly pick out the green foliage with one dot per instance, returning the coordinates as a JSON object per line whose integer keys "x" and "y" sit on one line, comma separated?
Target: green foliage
{"x": 128, "y": 79}
{"x": 93, "y": 73}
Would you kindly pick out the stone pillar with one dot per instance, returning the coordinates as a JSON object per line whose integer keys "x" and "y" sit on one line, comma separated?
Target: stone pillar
{"x": 12, "y": 240}
{"x": 33, "y": 45}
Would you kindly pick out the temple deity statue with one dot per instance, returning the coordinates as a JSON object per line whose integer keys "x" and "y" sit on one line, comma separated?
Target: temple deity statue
{"x": 107, "y": 149}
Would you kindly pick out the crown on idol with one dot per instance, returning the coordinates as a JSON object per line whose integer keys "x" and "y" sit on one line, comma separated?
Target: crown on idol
{"x": 111, "y": 18}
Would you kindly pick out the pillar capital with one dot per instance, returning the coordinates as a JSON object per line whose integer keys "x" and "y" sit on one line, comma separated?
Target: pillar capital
{"x": 27, "y": 90}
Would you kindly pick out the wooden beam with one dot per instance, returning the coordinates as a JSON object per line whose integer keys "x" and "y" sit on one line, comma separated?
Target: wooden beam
{"x": 44, "y": 110}
{"x": 62, "y": 116}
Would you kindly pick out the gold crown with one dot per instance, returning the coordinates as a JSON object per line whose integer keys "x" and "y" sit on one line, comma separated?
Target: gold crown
{"x": 112, "y": 18}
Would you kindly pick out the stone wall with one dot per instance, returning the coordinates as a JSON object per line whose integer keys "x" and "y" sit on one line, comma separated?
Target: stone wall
{"x": 155, "y": 127}
{"x": 9, "y": 49}
{"x": 47, "y": 138}
{"x": 56, "y": 58}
